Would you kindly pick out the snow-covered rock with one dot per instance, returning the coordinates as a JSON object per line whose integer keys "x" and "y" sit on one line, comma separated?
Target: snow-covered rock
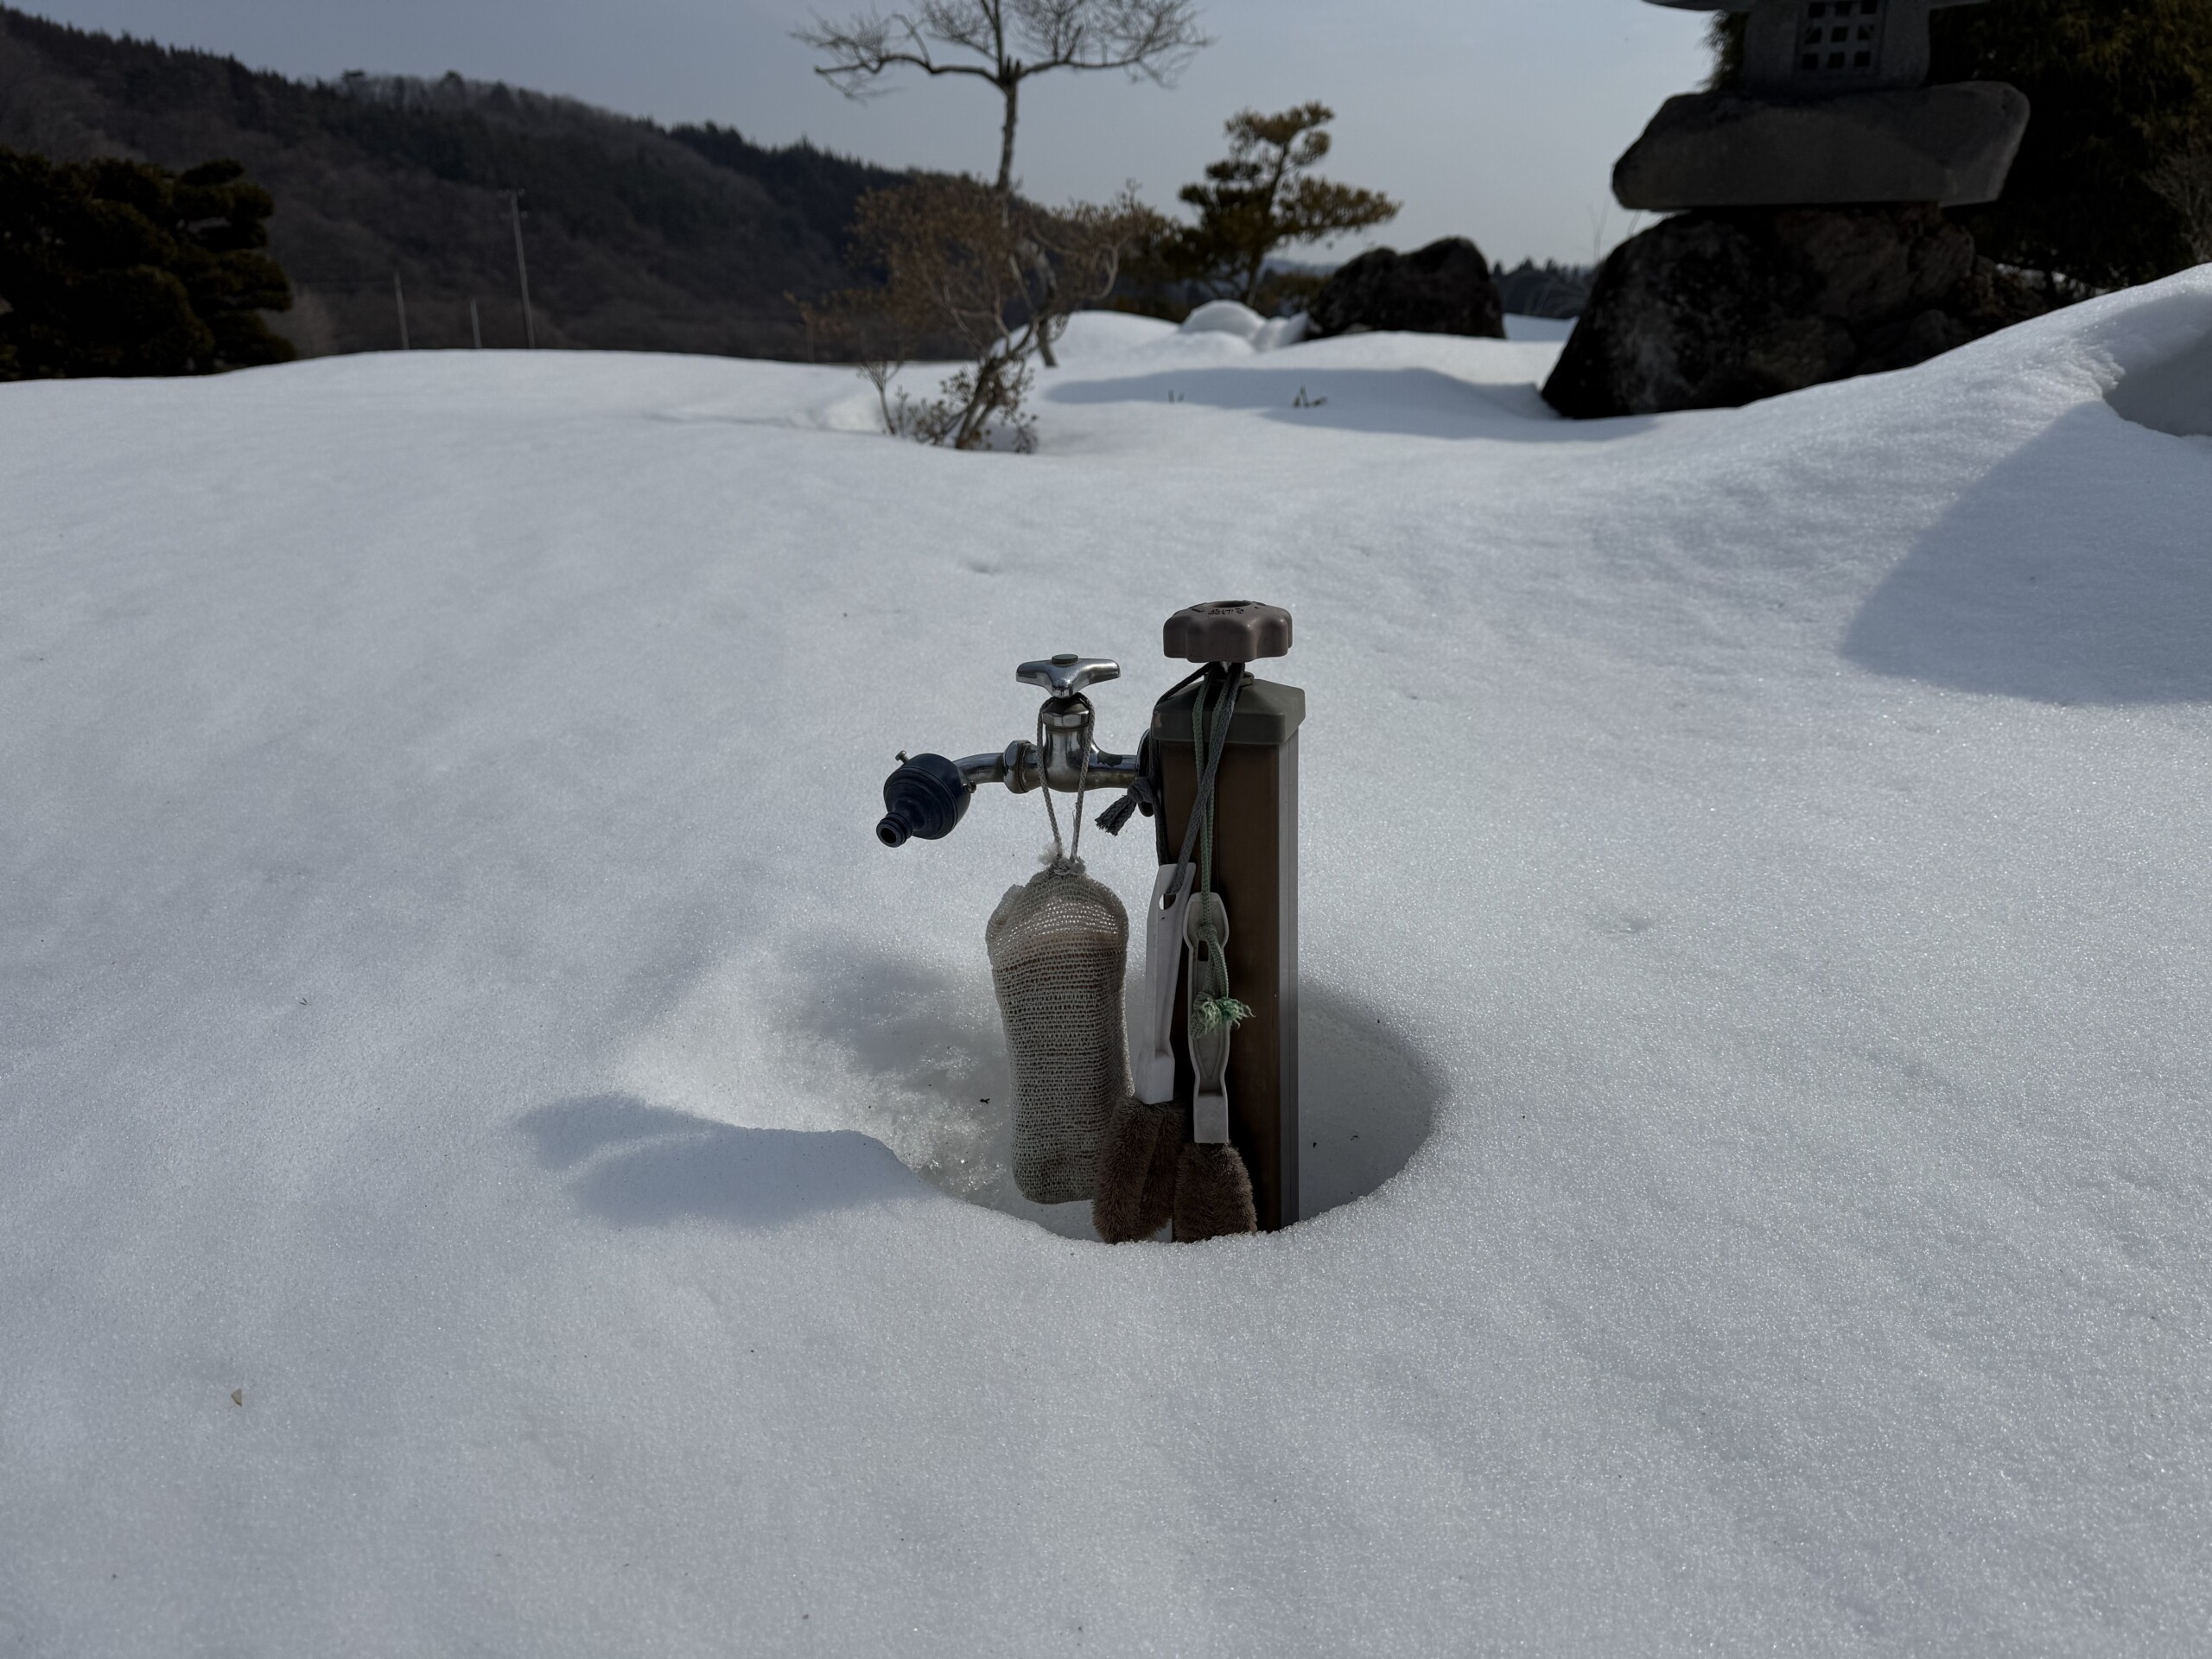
{"x": 1233, "y": 317}
{"x": 1224, "y": 317}
{"x": 485, "y": 1129}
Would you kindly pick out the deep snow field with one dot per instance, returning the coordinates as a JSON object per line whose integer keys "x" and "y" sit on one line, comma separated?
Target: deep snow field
{"x": 1756, "y": 923}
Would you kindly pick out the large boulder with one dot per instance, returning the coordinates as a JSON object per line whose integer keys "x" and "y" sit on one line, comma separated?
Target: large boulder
{"x": 1714, "y": 309}
{"x": 1444, "y": 288}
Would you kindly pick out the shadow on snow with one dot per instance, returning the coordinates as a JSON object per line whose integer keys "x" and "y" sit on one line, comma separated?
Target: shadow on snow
{"x": 926, "y": 1056}
{"x": 1416, "y": 402}
{"x": 2077, "y": 571}
{"x": 660, "y": 1166}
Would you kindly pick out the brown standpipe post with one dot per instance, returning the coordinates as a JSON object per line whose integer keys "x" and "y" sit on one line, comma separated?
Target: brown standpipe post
{"x": 1256, "y": 873}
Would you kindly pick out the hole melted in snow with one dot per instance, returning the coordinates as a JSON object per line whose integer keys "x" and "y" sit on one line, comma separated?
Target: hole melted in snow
{"x": 942, "y": 1095}
{"x": 2174, "y": 396}
{"x": 913, "y": 1057}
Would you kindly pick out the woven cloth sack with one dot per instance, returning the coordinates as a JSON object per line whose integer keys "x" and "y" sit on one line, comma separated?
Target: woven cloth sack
{"x": 1058, "y": 946}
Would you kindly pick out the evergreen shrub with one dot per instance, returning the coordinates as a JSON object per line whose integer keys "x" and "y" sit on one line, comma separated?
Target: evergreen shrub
{"x": 116, "y": 267}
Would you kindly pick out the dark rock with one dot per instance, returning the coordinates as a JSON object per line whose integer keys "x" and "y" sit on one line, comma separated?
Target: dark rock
{"x": 1712, "y": 310}
{"x": 1952, "y": 145}
{"x": 1444, "y": 288}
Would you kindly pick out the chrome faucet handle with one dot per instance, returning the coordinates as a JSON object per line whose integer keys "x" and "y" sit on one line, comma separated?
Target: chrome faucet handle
{"x": 1066, "y": 674}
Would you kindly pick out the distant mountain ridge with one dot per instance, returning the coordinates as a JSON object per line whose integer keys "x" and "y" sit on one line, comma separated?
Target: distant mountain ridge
{"x": 638, "y": 237}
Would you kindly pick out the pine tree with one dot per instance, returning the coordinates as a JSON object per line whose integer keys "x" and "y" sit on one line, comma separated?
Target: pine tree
{"x": 120, "y": 268}
{"x": 1260, "y": 197}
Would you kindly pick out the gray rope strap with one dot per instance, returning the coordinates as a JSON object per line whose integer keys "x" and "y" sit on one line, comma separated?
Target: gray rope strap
{"x": 1166, "y": 940}
{"x": 1065, "y": 860}
{"x": 1208, "y": 763}
{"x": 1214, "y": 1013}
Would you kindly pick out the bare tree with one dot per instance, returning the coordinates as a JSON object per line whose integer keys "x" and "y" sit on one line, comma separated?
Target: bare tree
{"x": 1005, "y": 42}
{"x": 2185, "y": 179}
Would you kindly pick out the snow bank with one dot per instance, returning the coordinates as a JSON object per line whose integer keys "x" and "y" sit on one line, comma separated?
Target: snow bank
{"x": 460, "y": 1025}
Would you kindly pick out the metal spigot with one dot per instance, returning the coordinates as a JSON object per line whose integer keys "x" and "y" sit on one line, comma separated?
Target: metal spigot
{"x": 928, "y": 796}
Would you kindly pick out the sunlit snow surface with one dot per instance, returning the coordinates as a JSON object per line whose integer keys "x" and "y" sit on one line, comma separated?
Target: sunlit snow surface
{"x": 455, "y": 1005}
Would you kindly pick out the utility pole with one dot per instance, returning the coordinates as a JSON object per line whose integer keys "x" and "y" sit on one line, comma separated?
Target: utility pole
{"x": 399, "y": 298}
{"x": 475, "y": 325}
{"x": 522, "y": 271}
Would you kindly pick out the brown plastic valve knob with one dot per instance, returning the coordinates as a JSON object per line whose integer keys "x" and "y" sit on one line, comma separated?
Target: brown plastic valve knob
{"x": 1228, "y": 631}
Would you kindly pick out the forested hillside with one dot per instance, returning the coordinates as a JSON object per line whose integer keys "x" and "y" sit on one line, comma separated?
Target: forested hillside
{"x": 638, "y": 237}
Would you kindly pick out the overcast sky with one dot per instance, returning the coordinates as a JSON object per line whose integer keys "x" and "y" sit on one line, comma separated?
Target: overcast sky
{"x": 1497, "y": 119}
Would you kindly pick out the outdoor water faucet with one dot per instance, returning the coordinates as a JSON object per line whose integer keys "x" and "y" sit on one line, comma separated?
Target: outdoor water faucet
{"x": 1216, "y": 772}
{"x": 929, "y": 794}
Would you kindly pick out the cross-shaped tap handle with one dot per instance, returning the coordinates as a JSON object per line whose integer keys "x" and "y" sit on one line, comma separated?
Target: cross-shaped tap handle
{"x": 1066, "y": 674}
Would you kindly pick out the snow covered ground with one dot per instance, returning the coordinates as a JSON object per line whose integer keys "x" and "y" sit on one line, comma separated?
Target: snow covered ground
{"x": 1520, "y": 327}
{"x": 484, "y": 1127}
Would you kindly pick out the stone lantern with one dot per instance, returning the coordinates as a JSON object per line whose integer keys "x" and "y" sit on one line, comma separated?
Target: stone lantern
{"x": 1832, "y": 111}
{"x": 1806, "y": 238}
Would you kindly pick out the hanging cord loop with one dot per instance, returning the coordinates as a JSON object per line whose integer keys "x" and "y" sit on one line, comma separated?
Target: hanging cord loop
{"x": 1212, "y": 1008}
{"x": 1208, "y": 759}
{"x": 1214, "y": 1013}
{"x": 1065, "y": 859}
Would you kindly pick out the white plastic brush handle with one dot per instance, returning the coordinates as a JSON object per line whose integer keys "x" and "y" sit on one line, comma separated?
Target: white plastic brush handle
{"x": 1209, "y": 1053}
{"x": 1153, "y": 1042}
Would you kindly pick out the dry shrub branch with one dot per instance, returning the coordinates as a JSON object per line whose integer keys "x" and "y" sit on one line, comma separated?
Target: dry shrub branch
{"x": 990, "y": 280}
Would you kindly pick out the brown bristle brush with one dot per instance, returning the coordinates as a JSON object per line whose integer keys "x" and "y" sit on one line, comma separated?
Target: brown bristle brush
{"x": 1213, "y": 1194}
{"x": 1137, "y": 1181}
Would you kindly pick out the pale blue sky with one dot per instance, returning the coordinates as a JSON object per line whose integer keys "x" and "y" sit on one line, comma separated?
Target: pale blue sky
{"x": 1487, "y": 117}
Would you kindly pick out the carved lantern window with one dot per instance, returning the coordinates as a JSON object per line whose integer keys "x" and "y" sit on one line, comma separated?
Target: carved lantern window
{"x": 1840, "y": 42}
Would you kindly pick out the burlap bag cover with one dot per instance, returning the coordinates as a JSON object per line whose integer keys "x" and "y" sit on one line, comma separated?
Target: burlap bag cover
{"x": 1057, "y": 946}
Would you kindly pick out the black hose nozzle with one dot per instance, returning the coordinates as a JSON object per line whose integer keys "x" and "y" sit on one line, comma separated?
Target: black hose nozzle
{"x": 926, "y": 798}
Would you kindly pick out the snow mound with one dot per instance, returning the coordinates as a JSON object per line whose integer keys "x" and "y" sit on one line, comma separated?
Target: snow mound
{"x": 1261, "y": 333}
{"x": 2072, "y": 569}
{"x": 484, "y": 1128}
